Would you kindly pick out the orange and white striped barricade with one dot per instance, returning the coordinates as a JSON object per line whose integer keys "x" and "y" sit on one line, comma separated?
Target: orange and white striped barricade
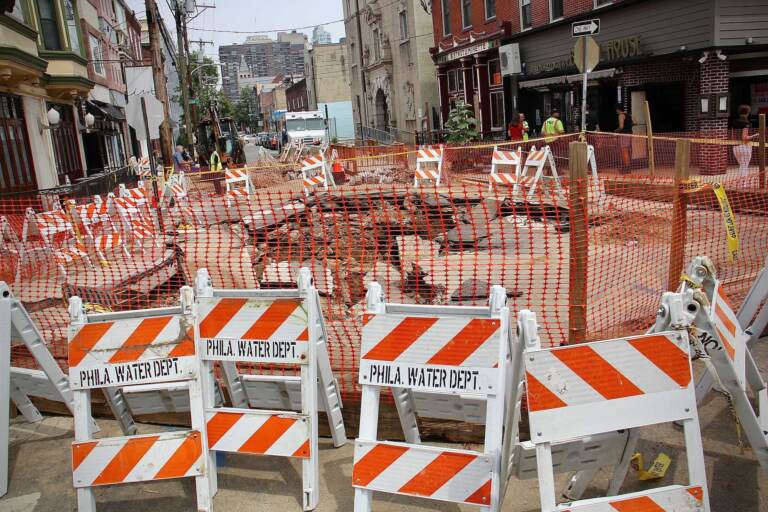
{"x": 263, "y": 327}
{"x": 537, "y": 161}
{"x": 134, "y": 223}
{"x": 314, "y": 172}
{"x": 437, "y": 350}
{"x": 702, "y": 303}
{"x": 97, "y": 224}
{"x": 175, "y": 194}
{"x": 18, "y": 384}
{"x": 503, "y": 159}
{"x": 141, "y": 347}
{"x": 139, "y": 194}
{"x": 11, "y": 248}
{"x": 238, "y": 185}
{"x": 274, "y": 391}
{"x": 429, "y": 156}
{"x": 604, "y": 386}
{"x": 49, "y": 226}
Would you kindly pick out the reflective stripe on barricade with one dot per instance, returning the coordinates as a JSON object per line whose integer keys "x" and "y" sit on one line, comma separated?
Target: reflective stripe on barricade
{"x": 140, "y": 347}
{"x": 450, "y": 350}
{"x": 429, "y": 155}
{"x": 701, "y": 304}
{"x": 238, "y": 185}
{"x": 537, "y": 160}
{"x": 314, "y": 171}
{"x": 502, "y": 158}
{"x": 57, "y": 232}
{"x": 18, "y": 328}
{"x": 610, "y": 385}
{"x": 267, "y": 326}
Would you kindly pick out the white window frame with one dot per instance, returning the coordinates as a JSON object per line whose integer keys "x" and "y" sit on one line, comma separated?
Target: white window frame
{"x": 521, "y": 4}
{"x": 464, "y": 24}
{"x": 402, "y": 16}
{"x": 551, "y": 16}
{"x": 97, "y": 58}
{"x": 485, "y": 9}
{"x": 598, "y": 5}
{"x": 490, "y": 81}
{"x": 503, "y": 108}
{"x": 444, "y": 10}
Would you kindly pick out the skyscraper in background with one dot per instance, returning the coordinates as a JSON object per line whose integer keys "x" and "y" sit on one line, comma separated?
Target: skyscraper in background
{"x": 320, "y": 35}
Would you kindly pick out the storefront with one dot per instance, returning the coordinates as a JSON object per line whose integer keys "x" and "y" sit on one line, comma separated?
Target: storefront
{"x": 469, "y": 70}
{"x": 104, "y": 142}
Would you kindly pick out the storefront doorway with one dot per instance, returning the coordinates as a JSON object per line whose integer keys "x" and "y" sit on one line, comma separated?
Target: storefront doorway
{"x": 667, "y": 105}
{"x": 382, "y": 111}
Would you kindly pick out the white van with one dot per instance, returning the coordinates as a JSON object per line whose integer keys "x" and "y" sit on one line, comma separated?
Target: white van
{"x": 308, "y": 127}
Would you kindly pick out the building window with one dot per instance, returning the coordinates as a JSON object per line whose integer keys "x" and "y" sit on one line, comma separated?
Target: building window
{"x": 65, "y": 148}
{"x": 525, "y": 13}
{"x": 405, "y": 53}
{"x": 97, "y": 55}
{"x": 403, "y": 16}
{"x": 70, "y": 20}
{"x": 16, "y": 170}
{"x": 466, "y": 14}
{"x": 49, "y": 25}
{"x": 446, "y": 17}
{"x": 376, "y": 46}
{"x": 18, "y": 13}
{"x": 555, "y": 9}
{"x": 490, "y": 9}
{"x": 494, "y": 73}
{"x": 600, "y": 3}
{"x": 452, "y": 80}
{"x": 497, "y": 110}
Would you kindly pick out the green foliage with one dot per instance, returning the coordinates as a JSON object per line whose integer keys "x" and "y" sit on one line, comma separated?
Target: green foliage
{"x": 460, "y": 127}
{"x": 246, "y": 109}
{"x": 205, "y": 87}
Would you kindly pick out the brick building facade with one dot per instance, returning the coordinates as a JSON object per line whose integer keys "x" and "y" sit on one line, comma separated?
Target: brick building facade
{"x": 672, "y": 54}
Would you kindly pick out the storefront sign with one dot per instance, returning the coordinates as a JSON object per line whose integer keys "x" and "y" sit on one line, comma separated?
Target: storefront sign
{"x": 466, "y": 51}
{"x": 759, "y": 98}
{"x": 611, "y": 51}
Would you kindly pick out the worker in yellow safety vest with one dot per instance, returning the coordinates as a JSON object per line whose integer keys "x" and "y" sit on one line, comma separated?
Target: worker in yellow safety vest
{"x": 552, "y": 127}
{"x": 215, "y": 162}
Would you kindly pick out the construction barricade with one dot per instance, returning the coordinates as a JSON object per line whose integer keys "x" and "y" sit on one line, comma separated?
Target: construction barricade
{"x": 99, "y": 229}
{"x": 140, "y": 347}
{"x": 439, "y": 350}
{"x": 701, "y": 305}
{"x": 59, "y": 240}
{"x": 314, "y": 173}
{"x": 429, "y": 156}
{"x": 238, "y": 185}
{"x": 268, "y": 327}
{"x": 604, "y": 386}
{"x": 501, "y": 159}
{"x": 18, "y": 384}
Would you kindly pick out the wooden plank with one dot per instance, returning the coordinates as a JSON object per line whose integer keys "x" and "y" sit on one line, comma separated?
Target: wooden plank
{"x": 649, "y": 133}
{"x": 761, "y": 150}
{"x": 579, "y": 242}
{"x": 679, "y": 213}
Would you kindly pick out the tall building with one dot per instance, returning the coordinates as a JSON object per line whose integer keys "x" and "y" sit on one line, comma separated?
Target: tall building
{"x": 320, "y": 35}
{"x": 261, "y": 56}
{"x": 326, "y": 69}
{"x": 393, "y": 77}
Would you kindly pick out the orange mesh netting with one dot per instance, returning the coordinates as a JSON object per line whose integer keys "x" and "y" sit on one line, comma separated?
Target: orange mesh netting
{"x": 425, "y": 245}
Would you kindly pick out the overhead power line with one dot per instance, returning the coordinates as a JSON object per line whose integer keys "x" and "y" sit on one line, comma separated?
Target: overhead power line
{"x": 265, "y": 31}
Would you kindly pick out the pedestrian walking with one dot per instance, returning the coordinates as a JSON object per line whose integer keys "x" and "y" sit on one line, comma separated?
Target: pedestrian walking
{"x": 526, "y": 128}
{"x": 624, "y": 127}
{"x": 552, "y": 127}
{"x": 179, "y": 161}
{"x": 743, "y": 151}
{"x": 515, "y": 129}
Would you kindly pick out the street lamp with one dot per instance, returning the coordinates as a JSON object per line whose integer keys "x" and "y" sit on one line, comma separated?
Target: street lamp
{"x": 53, "y": 117}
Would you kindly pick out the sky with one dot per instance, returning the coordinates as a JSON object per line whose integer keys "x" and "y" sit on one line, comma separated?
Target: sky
{"x": 250, "y": 16}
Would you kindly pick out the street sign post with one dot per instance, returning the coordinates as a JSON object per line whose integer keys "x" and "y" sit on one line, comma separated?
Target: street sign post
{"x": 586, "y": 55}
{"x": 585, "y": 28}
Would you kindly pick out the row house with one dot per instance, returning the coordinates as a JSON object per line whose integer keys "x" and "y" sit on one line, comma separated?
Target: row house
{"x": 48, "y": 88}
{"x": 694, "y": 61}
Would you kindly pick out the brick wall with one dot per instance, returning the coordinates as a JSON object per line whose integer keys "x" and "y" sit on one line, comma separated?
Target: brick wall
{"x": 574, "y": 7}
{"x": 713, "y": 77}
{"x": 539, "y": 12}
{"x": 505, "y": 11}
{"x": 674, "y": 70}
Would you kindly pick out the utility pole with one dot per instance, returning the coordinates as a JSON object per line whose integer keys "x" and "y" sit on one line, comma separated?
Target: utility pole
{"x": 158, "y": 75}
{"x": 180, "y": 14}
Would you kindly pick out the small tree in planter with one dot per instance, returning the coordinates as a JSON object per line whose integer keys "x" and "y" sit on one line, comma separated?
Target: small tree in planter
{"x": 460, "y": 129}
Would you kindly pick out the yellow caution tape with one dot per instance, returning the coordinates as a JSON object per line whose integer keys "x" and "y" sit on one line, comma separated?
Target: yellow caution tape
{"x": 657, "y": 469}
{"x": 92, "y": 307}
{"x": 731, "y": 233}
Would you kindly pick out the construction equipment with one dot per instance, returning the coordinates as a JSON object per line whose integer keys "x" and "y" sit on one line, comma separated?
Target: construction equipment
{"x": 140, "y": 347}
{"x": 18, "y": 384}
{"x": 268, "y": 327}
{"x": 604, "y": 386}
{"x": 219, "y": 134}
{"x": 700, "y": 305}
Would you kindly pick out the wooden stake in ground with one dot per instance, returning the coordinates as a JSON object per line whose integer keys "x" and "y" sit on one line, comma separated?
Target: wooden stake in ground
{"x": 649, "y": 133}
{"x": 579, "y": 242}
{"x": 761, "y": 150}
{"x": 679, "y": 214}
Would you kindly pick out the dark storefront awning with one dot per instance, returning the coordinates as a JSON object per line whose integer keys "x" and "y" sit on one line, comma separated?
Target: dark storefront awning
{"x": 105, "y": 111}
{"x": 566, "y": 79}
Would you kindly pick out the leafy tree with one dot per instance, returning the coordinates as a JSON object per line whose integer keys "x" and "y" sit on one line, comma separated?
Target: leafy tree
{"x": 246, "y": 108}
{"x": 460, "y": 126}
{"x": 205, "y": 87}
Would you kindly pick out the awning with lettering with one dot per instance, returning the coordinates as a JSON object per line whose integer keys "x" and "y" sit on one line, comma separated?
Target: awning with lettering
{"x": 569, "y": 79}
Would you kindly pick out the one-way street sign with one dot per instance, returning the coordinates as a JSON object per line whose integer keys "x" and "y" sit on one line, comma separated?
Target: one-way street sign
{"x": 585, "y": 28}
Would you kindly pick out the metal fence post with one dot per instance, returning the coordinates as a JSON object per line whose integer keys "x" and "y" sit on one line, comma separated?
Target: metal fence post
{"x": 679, "y": 213}
{"x": 579, "y": 242}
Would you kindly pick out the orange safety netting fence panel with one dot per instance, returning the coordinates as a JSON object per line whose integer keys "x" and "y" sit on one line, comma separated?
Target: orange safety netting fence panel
{"x": 425, "y": 245}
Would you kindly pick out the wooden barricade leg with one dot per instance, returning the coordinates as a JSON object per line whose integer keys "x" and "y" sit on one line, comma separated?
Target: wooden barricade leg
{"x": 203, "y": 486}
{"x": 368, "y": 431}
{"x": 406, "y": 411}
{"x": 86, "y": 501}
{"x": 311, "y": 467}
{"x": 24, "y": 404}
{"x": 5, "y": 384}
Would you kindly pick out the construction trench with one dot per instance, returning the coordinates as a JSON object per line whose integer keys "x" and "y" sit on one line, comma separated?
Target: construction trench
{"x": 441, "y": 246}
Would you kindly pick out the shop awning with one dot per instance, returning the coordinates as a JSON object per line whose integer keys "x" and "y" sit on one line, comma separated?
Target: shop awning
{"x": 105, "y": 111}
{"x": 563, "y": 79}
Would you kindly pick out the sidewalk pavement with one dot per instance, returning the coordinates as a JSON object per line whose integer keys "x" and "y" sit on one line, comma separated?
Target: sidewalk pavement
{"x": 41, "y": 479}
